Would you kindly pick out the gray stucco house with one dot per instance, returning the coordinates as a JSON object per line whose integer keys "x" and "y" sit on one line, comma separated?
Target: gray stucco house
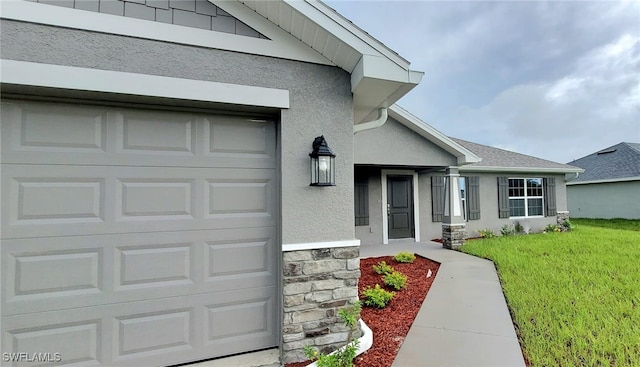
{"x": 609, "y": 187}
{"x": 400, "y": 171}
{"x": 155, "y": 177}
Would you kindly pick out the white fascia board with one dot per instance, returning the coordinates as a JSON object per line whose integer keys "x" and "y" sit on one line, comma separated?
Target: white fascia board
{"x": 464, "y": 156}
{"x": 319, "y": 245}
{"x": 281, "y": 44}
{"x": 608, "y": 180}
{"x": 81, "y": 79}
{"x": 344, "y": 30}
{"x": 520, "y": 169}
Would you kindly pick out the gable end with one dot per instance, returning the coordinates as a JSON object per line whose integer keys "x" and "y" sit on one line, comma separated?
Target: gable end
{"x": 200, "y": 14}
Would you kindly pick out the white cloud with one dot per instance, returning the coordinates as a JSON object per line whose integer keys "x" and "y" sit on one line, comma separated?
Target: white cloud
{"x": 596, "y": 105}
{"x": 553, "y": 79}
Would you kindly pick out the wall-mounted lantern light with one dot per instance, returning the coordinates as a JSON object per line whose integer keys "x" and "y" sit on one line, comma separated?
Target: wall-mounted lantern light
{"x": 323, "y": 164}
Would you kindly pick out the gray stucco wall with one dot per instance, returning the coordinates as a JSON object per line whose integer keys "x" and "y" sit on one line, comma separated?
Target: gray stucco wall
{"x": 372, "y": 234}
{"x": 605, "y": 200}
{"x": 320, "y": 99}
{"x": 489, "y": 204}
{"x": 395, "y": 144}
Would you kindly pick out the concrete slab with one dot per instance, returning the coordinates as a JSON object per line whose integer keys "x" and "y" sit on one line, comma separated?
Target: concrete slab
{"x": 464, "y": 321}
{"x": 435, "y": 347}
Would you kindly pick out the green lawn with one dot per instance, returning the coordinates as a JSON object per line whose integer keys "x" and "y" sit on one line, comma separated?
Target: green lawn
{"x": 574, "y": 296}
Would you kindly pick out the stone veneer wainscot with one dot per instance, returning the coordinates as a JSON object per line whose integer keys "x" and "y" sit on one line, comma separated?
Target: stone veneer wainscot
{"x": 317, "y": 283}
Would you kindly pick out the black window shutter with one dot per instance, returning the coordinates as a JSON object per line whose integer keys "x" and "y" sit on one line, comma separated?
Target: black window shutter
{"x": 503, "y": 197}
{"x": 473, "y": 197}
{"x": 550, "y": 196}
{"x": 437, "y": 198}
{"x": 361, "y": 200}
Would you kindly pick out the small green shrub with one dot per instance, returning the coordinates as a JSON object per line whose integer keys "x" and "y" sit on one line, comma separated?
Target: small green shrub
{"x": 344, "y": 356}
{"x": 376, "y": 297}
{"x": 395, "y": 280}
{"x": 486, "y": 233}
{"x": 507, "y": 230}
{"x": 404, "y": 257}
{"x": 518, "y": 227}
{"x": 551, "y": 228}
{"x": 566, "y": 226}
{"x": 383, "y": 268}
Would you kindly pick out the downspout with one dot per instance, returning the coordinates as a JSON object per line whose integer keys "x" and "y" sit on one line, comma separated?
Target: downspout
{"x": 372, "y": 124}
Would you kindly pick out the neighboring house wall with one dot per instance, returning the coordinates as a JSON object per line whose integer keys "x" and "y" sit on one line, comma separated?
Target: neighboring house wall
{"x": 605, "y": 200}
{"x": 302, "y": 206}
{"x": 395, "y": 144}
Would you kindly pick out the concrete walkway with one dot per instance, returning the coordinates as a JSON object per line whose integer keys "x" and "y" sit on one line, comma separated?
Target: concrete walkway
{"x": 464, "y": 321}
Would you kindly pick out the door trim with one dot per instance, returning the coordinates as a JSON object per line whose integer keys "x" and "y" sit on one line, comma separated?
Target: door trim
{"x": 416, "y": 202}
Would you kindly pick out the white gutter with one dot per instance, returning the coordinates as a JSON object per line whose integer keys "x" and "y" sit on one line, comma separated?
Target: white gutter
{"x": 372, "y": 124}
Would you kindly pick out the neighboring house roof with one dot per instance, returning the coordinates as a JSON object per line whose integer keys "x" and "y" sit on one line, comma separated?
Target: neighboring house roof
{"x": 464, "y": 155}
{"x": 620, "y": 162}
{"x": 500, "y": 160}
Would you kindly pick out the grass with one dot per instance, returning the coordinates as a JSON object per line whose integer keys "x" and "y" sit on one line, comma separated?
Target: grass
{"x": 574, "y": 296}
{"x": 616, "y": 223}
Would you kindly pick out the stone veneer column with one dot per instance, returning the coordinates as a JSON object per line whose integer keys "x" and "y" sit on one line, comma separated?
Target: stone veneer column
{"x": 317, "y": 283}
{"x": 453, "y": 224}
{"x": 562, "y": 217}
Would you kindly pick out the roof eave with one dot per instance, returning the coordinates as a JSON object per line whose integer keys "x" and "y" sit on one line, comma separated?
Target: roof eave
{"x": 607, "y": 180}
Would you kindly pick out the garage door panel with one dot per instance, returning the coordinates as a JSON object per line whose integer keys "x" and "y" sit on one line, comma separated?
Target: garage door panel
{"x": 155, "y": 132}
{"x": 58, "y": 200}
{"x": 149, "y": 199}
{"x": 65, "y": 272}
{"x": 86, "y": 200}
{"x": 76, "y": 342}
{"x": 154, "y": 332}
{"x": 53, "y": 133}
{"x": 56, "y": 128}
{"x": 228, "y": 138}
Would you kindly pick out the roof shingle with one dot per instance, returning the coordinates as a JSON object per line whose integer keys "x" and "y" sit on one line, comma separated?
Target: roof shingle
{"x": 505, "y": 159}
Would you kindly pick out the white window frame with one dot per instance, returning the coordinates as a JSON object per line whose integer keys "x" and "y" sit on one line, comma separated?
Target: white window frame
{"x": 526, "y": 197}
{"x": 462, "y": 182}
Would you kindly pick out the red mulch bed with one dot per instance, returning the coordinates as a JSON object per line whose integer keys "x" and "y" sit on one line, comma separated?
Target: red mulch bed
{"x": 391, "y": 324}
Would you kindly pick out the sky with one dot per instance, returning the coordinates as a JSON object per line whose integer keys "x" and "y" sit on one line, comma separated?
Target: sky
{"x": 553, "y": 79}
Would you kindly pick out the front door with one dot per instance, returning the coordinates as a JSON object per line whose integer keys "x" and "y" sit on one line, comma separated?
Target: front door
{"x": 400, "y": 206}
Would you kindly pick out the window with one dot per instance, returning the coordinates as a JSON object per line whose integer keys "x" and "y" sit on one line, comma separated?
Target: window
{"x": 525, "y": 197}
{"x": 463, "y": 196}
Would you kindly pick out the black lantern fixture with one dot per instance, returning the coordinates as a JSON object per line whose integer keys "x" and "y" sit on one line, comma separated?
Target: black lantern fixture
{"x": 323, "y": 164}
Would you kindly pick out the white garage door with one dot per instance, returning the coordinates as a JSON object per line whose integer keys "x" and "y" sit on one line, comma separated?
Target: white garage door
{"x": 136, "y": 237}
